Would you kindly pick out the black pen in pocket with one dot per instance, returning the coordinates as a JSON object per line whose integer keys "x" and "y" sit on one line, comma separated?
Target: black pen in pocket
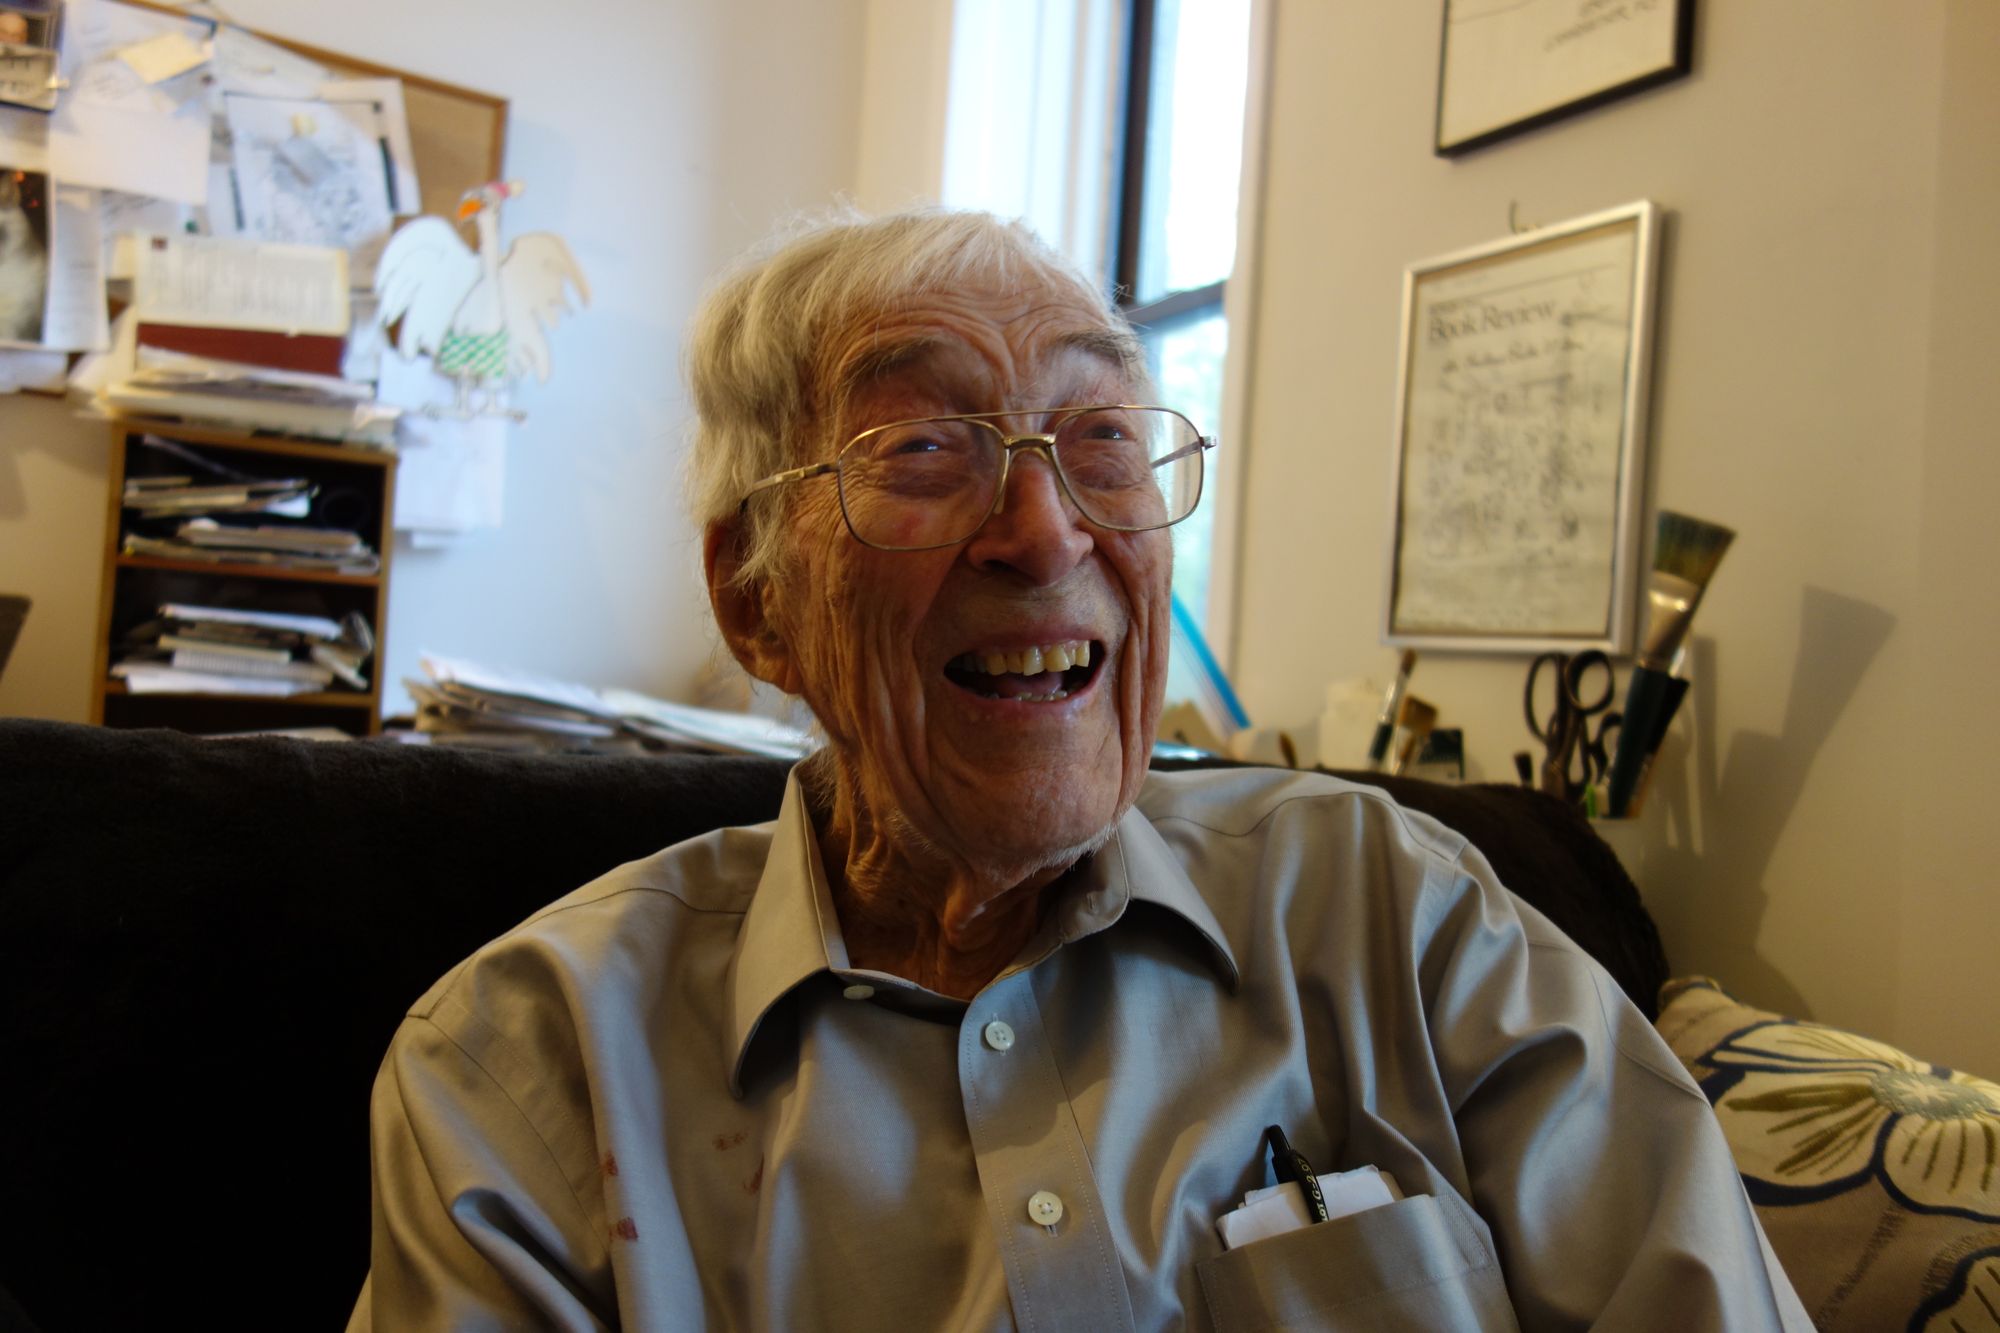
{"x": 1291, "y": 1165}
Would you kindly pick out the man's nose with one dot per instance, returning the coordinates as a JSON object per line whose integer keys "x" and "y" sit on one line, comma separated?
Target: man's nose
{"x": 1034, "y": 530}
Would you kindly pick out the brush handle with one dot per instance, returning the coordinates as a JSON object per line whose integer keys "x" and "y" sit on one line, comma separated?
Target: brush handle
{"x": 1677, "y": 689}
{"x": 1646, "y": 709}
{"x": 1378, "y": 745}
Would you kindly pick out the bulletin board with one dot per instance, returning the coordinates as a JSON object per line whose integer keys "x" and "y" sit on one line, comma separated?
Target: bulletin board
{"x": 457, "y": 135}
{"x": 456, "y": 141}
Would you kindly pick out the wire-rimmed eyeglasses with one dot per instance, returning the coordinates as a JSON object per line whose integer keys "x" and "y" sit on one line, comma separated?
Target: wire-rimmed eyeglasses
{"x": 933, "y": 481}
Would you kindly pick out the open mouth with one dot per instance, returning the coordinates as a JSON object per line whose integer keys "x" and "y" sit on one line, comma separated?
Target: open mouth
{"x": 1038, "y": 675}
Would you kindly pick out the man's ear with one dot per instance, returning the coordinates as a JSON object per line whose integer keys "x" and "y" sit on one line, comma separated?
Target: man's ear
{"x": 743, "y": 611}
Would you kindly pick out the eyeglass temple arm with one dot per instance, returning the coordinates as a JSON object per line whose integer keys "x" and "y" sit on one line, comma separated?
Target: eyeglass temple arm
{"x": 782, "y": 478}
{"x": 1187, "y": 450}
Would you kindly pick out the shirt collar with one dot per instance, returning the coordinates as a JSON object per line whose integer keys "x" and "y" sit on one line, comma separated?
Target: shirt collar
{"x": 1152, "y": 873}
{"x": 786, "y": 936}
{"x": 790, "y": 932}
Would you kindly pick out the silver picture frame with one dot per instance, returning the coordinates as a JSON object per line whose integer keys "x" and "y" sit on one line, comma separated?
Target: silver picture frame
{"x": 1521, "y": 408}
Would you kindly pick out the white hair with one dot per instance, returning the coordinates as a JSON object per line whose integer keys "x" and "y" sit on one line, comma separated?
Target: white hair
{"x": 760, "y": 352}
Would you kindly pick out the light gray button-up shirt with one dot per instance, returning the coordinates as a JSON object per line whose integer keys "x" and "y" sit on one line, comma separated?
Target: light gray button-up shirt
{"x": 667, "y": 1101}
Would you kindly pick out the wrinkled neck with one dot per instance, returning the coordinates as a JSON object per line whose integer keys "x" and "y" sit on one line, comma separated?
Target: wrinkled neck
{"x": 911, "y": 910}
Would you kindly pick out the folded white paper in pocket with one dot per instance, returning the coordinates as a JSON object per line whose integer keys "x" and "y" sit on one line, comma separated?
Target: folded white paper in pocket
{"x": 1276, "y": 1209}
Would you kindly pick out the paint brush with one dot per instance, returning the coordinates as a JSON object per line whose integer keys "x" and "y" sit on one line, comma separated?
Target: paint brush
{"x": 1677, "y": 688}
{"x": 1685, "y": 555}
{"x": 1392, "y": 707}
{"x": 1415, "y": 721}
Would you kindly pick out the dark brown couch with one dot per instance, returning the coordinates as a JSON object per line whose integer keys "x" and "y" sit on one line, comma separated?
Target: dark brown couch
{"x": 206, "y": 944}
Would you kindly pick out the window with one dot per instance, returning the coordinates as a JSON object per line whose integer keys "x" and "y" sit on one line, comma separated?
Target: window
{"x": 1187, "y": 64}
{"x": 1175, "y": 204}
{"x": 1116, "y": 129}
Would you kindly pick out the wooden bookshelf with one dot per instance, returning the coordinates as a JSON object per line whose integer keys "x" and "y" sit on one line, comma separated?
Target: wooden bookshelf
{"x": 354, "y": 489}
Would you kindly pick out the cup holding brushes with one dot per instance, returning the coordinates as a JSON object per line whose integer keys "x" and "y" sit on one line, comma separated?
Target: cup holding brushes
{"x": 1685, "y": 555}
{"x": 1392, "y": 709}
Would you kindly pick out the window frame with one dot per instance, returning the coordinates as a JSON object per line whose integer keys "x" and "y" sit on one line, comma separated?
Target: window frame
{"x": 1230, "y": 297}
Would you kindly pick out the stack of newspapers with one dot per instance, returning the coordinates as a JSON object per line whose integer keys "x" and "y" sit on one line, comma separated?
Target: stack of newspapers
{"x": 477, "y": 706}
{"x": 220, "y": 650}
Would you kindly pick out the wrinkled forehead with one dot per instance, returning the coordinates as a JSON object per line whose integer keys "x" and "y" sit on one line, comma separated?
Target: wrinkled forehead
{"x": 977, "y": 346}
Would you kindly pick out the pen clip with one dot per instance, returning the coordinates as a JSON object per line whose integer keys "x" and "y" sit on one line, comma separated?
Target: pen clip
{"x": 1291, "y": 1166}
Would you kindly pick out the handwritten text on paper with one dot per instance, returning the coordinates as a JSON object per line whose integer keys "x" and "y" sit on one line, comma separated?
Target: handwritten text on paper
{"x": 1514, "y": 429}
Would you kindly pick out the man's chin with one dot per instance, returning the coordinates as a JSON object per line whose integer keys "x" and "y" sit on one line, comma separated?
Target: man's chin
{"x": 1037, "y": 829}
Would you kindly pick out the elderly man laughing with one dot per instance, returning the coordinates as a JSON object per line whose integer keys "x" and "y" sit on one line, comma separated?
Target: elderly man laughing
{"x": 987, "y": 1029}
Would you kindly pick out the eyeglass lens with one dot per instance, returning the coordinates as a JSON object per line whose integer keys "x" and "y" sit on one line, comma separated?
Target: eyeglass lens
{"x": 931, "y": 483}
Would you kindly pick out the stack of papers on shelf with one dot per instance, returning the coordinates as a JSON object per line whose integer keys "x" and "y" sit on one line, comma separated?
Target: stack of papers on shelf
{"x": 255, "y": 402}
{"x": 221, "y": 650}
{"x": 470, "y": 704}
{"x": 327, "y": 549}
{"x": 154, "y": 497}
{"x": 243, "y": 334}
{"x": 169, "y": 519}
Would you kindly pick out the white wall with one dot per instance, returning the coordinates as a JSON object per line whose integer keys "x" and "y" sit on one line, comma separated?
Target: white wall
{"x": 660, "y": 138}
{"x": 1818, "y": 838}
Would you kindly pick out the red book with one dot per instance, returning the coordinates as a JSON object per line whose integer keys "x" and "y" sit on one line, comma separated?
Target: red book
{"x": 311, "y": 353}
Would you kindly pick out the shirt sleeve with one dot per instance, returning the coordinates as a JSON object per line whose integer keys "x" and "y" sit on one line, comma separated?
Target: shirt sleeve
{"x": 1594, "y": 1159}
{"x": 476, "y": 1224}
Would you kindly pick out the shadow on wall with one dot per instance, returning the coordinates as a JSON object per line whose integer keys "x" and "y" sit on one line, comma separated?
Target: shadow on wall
{"x": 1741, "y": 805}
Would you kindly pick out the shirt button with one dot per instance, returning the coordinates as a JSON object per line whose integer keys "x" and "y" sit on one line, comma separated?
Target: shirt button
{"x": 1044, "y": 1209}
{"x": 860, "y": 990}
{"x": 1001, "y": 1038}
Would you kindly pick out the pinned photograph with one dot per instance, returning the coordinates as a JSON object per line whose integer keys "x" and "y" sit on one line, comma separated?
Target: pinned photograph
{"x": 27, "y": 25}
{"x": 24, "y": 255}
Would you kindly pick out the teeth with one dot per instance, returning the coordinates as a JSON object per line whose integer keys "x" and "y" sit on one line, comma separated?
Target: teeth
{"x": 1029, "y": 661}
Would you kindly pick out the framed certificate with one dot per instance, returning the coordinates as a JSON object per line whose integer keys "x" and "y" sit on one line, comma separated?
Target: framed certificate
{"x": 1510, "y": 65}
{"x": 1520, "y": 439}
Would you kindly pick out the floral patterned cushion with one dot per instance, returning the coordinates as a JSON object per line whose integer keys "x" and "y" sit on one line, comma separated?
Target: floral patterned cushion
{"x": 1876, "y": 1175}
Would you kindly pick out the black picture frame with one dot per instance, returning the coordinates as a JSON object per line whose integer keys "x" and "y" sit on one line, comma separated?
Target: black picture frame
{"x": 1509, "y": 66}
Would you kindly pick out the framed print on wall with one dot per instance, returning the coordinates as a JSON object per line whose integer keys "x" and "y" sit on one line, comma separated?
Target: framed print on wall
{"x": 1520, "y": 439}
{"x": 1505, "y": 66}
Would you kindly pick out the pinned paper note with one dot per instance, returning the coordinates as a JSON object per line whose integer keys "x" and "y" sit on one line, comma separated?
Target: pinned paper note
{"x": 206, "y": 282}
{"x": 22, "y": 369}
{"x": 452, "y": 471}
{"x": 450, "y": 475}
{"x": 160, "y": 156}
{"x": 76, "y": 318}
{"x": 247, "y": 63}
{"x": 164, "y": 56}
{"x": 125, "y": 217}
{"x": 392, "y": 123}
{"x": 312, "y": 172}
{"x": 114, "y": 129}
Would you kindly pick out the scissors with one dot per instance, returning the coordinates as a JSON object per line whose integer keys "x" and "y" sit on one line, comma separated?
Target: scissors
{"x": 1576, "y": 757}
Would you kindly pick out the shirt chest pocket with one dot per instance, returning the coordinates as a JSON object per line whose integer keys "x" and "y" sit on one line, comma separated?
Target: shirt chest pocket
{"x": 1418, "y": 1263}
